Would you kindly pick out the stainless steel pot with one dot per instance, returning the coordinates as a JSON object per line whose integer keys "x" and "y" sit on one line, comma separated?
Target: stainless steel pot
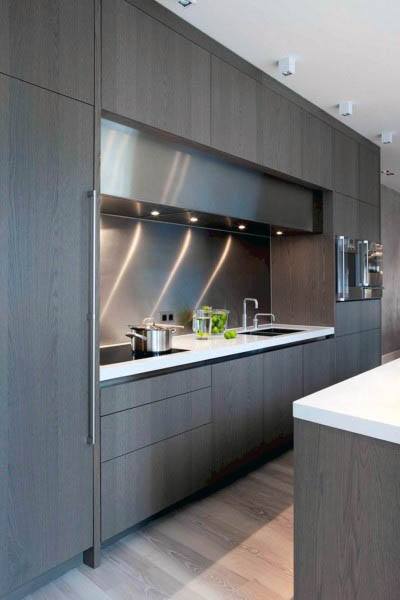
{"x": 152, "y": 337}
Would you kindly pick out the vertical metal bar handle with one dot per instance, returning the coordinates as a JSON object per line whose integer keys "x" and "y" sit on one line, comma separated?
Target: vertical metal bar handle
{"x": 366, "y": 264}
{"x": 93, "y": 315}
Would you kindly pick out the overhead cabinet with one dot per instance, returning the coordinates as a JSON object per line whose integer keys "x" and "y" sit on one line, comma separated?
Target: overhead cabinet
{"x": 346, "y": 165}
{"x": 50, "y": 44}
{"x": 46, "y": 464}
{"x": 153, "y": 75}
{"x": 281, "y": 130}
{"x": 234, "y": 123}
{"x": 317, "y": 152}
{"x": 370, "y": 177}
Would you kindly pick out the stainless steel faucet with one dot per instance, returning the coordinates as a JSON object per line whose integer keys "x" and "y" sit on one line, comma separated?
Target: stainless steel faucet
{"x": 244, "y": 318}
{"x": 257, "y": 315}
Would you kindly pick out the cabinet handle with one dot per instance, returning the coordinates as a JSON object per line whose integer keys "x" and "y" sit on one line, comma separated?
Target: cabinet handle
{"x": 93, "y": 316}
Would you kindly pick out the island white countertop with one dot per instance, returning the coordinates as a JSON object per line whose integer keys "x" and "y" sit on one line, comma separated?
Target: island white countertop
{"x": 368, "y": 404}
{"x": 213, "y": 348}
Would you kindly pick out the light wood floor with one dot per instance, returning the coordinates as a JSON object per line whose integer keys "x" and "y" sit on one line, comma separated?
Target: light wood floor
{"x": 234, "y": 544}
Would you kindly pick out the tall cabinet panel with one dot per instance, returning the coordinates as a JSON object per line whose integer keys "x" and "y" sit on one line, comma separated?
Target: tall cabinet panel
{"x": 370, "y": 178}
{"x": 317, "y": 151}
{"x": 234, "y": 111}
{"x": 346, "y": 165}
{"x": 48, "y": 43}
{"x": 46, "y": 168}
{"x": 153, "y": 75}
{"x": 281, "y": 131}
{"x": 237, "y": 391}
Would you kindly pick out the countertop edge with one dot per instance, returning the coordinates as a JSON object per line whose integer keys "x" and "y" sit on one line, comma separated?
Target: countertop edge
{"x": 128, "y": 369}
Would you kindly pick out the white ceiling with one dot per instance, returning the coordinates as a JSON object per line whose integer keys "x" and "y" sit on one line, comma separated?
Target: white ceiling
{"x": 346, "y": 50}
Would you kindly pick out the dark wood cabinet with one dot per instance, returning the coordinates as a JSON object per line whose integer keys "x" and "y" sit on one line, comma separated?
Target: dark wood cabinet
{"x": 283, "y": 384}
{"x": 370, "y": 177}
{"x": 347, "y": 349}
{"x": 140, "y": 484}
{"x": 280, "y": 133}
{"x": 346, "y": 165}
{"x": 46, "y": 169}
{"x": 129, "y": 430}
{"x": 234, "y": 123}
{"x": 116, "y": 398}
{"x": 318, "y": 365}
{"x": 153, "y": 75}
{"x": 353, "y": 317}
{"x": 346, "y": 215}
{"x": 237, "y": 393}
{"x": 50, "y": 44}
{"x": 370, "y": 349}
{"x": 317, "y": 152}
{"x": 369, "y": 222}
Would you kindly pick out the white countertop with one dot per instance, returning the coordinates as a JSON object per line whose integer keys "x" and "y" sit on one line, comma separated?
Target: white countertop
{"x": 216, "y": 347}
{"x": 368, "y": 404}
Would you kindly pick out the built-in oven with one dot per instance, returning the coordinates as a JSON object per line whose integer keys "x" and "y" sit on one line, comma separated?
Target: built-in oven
{"x": 359, "y": 269}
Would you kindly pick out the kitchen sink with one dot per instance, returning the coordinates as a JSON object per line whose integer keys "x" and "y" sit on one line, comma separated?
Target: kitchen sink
{"x": 271, "y": 331}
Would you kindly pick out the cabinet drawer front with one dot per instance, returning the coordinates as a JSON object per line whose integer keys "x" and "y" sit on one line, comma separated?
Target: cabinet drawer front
{"x": 140, "y": 484}
{"x": 137, "y": 393}
{"x": 131, "y": 429}
{"x": 352, "y": 317}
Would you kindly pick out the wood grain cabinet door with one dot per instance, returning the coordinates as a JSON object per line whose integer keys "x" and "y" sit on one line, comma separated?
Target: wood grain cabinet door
{"x": 153, "y": 75}
{"x": 370, "y": 177}
{"x": 46, "y": 465}
{"x": 283, "y": 384}
{"x": 234, "y": 123}
{"x": 346, "y": 165}
{"x": 317, "y": 152}
{"x": 49, "y": 43}
{"x": 318, "y": 365}
{"x": 280, "y": 135}
{"x": 237, "y": 395}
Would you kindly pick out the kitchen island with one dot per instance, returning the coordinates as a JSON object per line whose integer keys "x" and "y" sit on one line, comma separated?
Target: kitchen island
{"x": 347, "y": 489}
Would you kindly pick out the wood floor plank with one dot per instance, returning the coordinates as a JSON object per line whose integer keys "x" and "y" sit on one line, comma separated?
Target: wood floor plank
{"x": 235, "y": 544}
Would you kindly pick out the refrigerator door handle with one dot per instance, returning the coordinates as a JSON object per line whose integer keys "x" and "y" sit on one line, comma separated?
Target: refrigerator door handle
{"x": 91, "y": 439}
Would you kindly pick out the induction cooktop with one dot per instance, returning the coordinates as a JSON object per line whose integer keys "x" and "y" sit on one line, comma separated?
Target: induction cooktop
{"x": 110, "y": 355}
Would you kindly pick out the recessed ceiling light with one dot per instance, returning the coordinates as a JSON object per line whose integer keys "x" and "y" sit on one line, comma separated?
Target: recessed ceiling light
{"x": 287, "y": 65}
{"x": 241, "y": 226}
{"x": 186, "y": 3}
{"x": 279, "y": 232}
{"x": 154, "y": 213}
{"x": 193, "y": 219}
{"x": 346, "y": 108}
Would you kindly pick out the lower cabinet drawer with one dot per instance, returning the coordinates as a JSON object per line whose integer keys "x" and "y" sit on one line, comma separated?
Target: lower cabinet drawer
{"x": 140, "y": 484}
{"x": 132, "y": 429}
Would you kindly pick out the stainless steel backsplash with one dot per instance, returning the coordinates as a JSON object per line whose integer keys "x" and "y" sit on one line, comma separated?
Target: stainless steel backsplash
{"x": 147, "y": 268}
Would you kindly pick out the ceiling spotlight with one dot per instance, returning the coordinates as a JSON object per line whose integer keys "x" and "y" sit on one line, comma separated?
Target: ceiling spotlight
{"x": 241, "y": 227}
{"x": 387, "y": 172}
{"x": 287, "y": 65}
{"x": 346, "y": 108}
{"x": 387, "y": 137}
{"x": 193, "y": 219}
{"x": 279, "y": 232}
{"x": 154, "y": 213}
{"x": 186, "y": 3}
